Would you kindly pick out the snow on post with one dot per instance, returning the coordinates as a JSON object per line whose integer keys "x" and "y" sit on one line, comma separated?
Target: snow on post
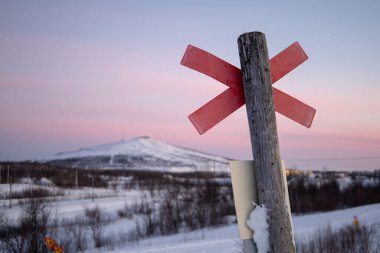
{"x": 258, "y": 223}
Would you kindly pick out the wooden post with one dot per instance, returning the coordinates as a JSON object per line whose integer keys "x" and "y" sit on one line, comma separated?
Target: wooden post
{"x": 8, "y": 175}
{"x": 93, "y": 185}
{"x": 10, "y": 193}
{"x": 76, "y": 178}
{"x": 257, "y": 83}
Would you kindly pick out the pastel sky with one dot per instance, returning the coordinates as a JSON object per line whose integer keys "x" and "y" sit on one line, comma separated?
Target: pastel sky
{"x": 81, "y": 73}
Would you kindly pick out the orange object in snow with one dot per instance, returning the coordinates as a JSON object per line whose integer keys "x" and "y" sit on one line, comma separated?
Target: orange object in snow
{"x": 58, "y": 249}
{"x": 356, "y": 221}
{"x": 50, "y": 242}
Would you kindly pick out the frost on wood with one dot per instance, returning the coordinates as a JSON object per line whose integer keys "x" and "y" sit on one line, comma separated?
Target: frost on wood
{"x": 258, "y": 223}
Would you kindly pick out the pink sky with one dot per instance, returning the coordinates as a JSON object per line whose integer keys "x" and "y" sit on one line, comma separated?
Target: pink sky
{"x": 76, "y": 75}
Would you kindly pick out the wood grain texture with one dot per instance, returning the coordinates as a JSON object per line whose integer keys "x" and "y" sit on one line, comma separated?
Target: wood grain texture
{"x": 263, "y": 130}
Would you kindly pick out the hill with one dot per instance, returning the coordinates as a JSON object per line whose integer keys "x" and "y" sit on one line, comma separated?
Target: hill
{"x": 142, "y": 153}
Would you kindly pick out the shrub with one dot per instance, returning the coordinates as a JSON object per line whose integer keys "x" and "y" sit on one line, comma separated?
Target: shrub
{"x": 95, "y": 219}
{"x": 348, "y": 239}
{"x": 72, "y": 235}
{"x": 28, "y": 234}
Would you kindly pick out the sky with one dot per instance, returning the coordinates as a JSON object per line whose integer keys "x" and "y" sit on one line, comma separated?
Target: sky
{"x": 80, "y": 73}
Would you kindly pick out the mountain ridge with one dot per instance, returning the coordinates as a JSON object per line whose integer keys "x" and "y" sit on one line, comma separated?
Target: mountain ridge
{"x": 142, "y": 153}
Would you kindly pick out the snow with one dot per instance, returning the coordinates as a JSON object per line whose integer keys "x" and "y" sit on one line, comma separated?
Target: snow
{"x": 344, "y": 183}
{"x": 306, "y": 225}
{"x": 258, "y": 223}
{"x": 25, "y": 180}
{"x": 137, "y": 146}
{"x": 370, "y": 182}
{"x": 220, "y": 240}
{"x": 75, "y": 201}
{"x": 16, "y": 188}
{"x": 46, "y": 182}
{"x": 151, "y": 151}
{"x": 226, "y": 239}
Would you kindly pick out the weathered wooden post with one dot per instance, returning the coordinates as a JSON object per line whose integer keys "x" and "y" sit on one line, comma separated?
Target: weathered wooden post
{"x": 271, "y": 193}
{"x": 93, "y": 185}
{"x": 10, "y": 193}
{"x": 8, "y": 175}
{"x": 76, "y": 178}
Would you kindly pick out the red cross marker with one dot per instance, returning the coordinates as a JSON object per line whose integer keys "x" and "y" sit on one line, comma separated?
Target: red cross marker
{"x": 233, "y": 98}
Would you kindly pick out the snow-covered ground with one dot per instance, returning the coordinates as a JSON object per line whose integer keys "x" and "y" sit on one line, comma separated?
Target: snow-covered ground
{"x": 75, "y": 201}
{"x": 221, "y": 240}
{"x": 226, "y": 239}
{"x": 306, "y": 225}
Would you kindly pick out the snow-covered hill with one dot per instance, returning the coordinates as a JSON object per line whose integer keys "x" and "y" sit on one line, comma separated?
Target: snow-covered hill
{"x": 142, "y": 153}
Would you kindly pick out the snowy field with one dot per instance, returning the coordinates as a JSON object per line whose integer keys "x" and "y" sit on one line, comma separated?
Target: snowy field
{"x": 220, "y": 240}
{"x": 74, "y": 201}
{"x": 226, "y": 239}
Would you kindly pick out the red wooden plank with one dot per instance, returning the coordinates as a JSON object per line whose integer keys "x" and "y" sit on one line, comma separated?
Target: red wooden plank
{"x": 220, "y": 70}
{"x": 212, "y": 66}
{"x": 216, "y": 110}
{"x": 287, "y": 60}
{"x": 293, "y": 108}
{"x": 229, "y": 101}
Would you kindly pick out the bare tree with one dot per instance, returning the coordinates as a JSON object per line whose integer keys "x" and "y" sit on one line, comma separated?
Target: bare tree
{"x": 74, "y": 236}
{"x": 95, "y": 220}
{"x": 28, "y": 234}
{"x": 34, "y": 219}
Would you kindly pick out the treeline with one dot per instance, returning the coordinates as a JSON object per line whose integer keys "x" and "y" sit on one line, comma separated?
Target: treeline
{"x": 304, "y": 196}
{"x": 68, "y": 177}
{"x": 328, "y": 196}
